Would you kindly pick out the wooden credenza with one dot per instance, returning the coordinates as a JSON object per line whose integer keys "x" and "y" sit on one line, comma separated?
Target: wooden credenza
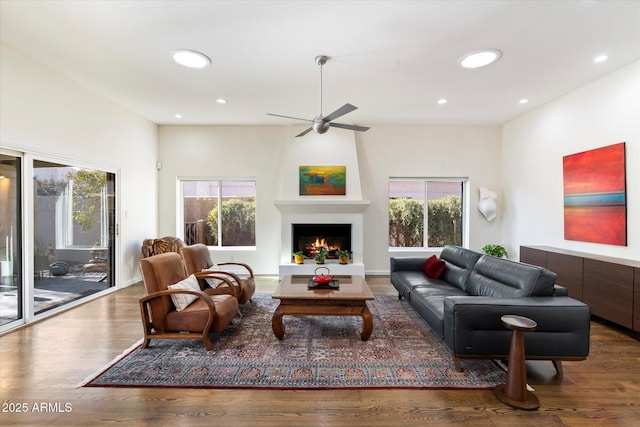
{"x": 611, "y": 286}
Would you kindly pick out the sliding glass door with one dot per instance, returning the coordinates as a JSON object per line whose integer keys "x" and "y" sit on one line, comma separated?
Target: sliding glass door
{"x": 11, "y": 284}
{"x": 69, "y": 217}
{"x": 74, "y": 233}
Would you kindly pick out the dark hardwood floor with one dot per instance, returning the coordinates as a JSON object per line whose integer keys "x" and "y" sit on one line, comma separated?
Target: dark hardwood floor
{"x": 41, "y": 365}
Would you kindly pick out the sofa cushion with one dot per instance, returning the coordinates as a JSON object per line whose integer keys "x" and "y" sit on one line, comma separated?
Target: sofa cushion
{"x": 545, "y": 285}
{"x": 461, "y": 257}
{"x": 428, "y": 301}
{"x": 455, "y": 275}
{"x": 405, "y": 281}
{"x": 459, "y": 263}
{"x": 497, "y": 277}
{"x": 433, "y": 267}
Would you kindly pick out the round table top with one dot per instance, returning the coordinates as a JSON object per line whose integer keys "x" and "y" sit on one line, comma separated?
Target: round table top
{"x": 512, "y": 321}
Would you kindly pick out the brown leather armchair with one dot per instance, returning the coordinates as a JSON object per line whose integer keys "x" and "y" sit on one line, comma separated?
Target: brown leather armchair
{"x": 161, "y": 319}
{"x": 196, "y": 258}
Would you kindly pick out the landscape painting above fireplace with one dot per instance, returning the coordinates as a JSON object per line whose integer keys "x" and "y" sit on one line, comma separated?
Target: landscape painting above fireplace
{"x": 595, "y": 196}
{"x": 323, "y": 180}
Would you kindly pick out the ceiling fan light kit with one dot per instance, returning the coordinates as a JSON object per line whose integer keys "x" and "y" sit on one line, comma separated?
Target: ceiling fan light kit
{"x": 321, "y": 123}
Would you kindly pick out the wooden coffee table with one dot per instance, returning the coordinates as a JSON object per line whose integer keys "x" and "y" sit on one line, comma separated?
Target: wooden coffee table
{"x": 297, "y": 300}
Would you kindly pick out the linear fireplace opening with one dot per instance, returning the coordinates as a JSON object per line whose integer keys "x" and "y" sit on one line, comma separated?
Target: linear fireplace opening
{"x": 309, "y": 238}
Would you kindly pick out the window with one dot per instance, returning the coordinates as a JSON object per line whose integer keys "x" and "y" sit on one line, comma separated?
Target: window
{"x": 442, "y": 217}
{"x": 82, "y": 205}
{"x": 219, "y": 212}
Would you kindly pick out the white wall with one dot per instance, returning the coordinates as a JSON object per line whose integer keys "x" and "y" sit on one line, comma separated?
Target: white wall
{"x": 384, "y": 151}
{"x": 45, "y": 114}
{"x": 333, "y": 148}
{"x": 225, "y": 152}
{"x": 602, "y": 113}
{"x": 472, "y": 152}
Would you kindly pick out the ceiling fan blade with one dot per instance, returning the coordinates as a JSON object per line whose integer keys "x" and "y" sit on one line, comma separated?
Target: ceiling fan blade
{"x": 304, "y": 132}
{"x": 346, "y": 108}
{"x": 289, "y": 117}
{"x": 350, "y": 127}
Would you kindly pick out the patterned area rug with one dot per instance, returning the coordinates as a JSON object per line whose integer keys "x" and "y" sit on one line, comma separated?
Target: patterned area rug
{"x": 316, "y": 353}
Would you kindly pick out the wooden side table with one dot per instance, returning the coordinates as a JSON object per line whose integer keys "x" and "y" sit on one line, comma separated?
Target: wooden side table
{"x": 514, "y": 392}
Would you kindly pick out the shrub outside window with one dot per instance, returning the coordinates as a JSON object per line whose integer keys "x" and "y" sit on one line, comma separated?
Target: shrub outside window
{"x": 219, "y": 212}
{"x": 442, "y": 217}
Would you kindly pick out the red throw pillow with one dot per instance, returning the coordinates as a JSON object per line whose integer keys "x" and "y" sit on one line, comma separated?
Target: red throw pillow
{"x": 434, "y": 267}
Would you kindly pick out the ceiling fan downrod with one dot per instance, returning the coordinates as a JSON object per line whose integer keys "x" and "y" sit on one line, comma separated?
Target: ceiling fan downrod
{"x": 321, "y": 60}
{"x": 321, "y": 123}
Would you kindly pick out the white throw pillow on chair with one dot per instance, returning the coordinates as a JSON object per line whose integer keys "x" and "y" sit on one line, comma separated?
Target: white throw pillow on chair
{"x": 214, "y": 283}
{"x": 182, "y": 301}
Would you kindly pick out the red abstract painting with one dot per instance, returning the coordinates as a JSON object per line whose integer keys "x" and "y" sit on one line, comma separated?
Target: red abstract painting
{"x": 595, "y": 202}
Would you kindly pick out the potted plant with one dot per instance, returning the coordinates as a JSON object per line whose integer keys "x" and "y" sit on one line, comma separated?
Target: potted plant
{"x": 495, "y": 250}
{"x": 343, "y": 256}
{"x": 298, "y": 257}
{"x": 321, "y": 255}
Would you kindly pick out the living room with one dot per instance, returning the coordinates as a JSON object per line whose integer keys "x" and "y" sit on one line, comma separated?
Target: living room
{"x": 47, "y": 115}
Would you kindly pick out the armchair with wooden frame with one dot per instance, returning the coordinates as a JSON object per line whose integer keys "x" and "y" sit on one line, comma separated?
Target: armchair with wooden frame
{"x": 160, "y": 317}
{"x": 197, "y": 258}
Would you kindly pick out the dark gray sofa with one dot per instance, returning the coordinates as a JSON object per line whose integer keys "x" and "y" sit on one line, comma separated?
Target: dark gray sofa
{"x": 465, "y": 304}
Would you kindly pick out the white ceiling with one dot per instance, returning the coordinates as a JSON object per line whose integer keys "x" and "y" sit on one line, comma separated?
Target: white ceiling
{"x": 392, "y": 59}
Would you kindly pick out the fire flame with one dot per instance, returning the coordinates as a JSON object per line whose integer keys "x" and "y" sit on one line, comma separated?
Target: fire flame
{"x": 321, "y": 242}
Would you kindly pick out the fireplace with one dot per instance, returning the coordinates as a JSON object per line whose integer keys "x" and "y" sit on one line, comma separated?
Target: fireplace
{"x": 309, "y": 238}
{"x": 346, "y": 217}
{"x": 338, "y": 148}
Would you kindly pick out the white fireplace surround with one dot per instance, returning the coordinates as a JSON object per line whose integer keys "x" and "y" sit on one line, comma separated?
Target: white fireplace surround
{"x": 322, "y": 212}
{"x": 337, "y": 147}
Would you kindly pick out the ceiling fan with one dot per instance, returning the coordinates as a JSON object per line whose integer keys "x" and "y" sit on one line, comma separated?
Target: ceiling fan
{"x": 322, "y": 123}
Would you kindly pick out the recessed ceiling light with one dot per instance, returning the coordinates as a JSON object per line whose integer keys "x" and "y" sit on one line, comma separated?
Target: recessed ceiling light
{"x": 178, "y": 116}
{"x": 524, "y": 101}
{"x": 191, "y": 58}
{"x": 221, "y": 101}
{"x": 479, "y": 58}
{"x": 600, "y": 58}
{"x": 442, "y": 101}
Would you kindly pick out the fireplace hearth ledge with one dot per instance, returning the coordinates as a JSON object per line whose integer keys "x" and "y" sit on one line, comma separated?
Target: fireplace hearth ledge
{"x": 309, "y": 268}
